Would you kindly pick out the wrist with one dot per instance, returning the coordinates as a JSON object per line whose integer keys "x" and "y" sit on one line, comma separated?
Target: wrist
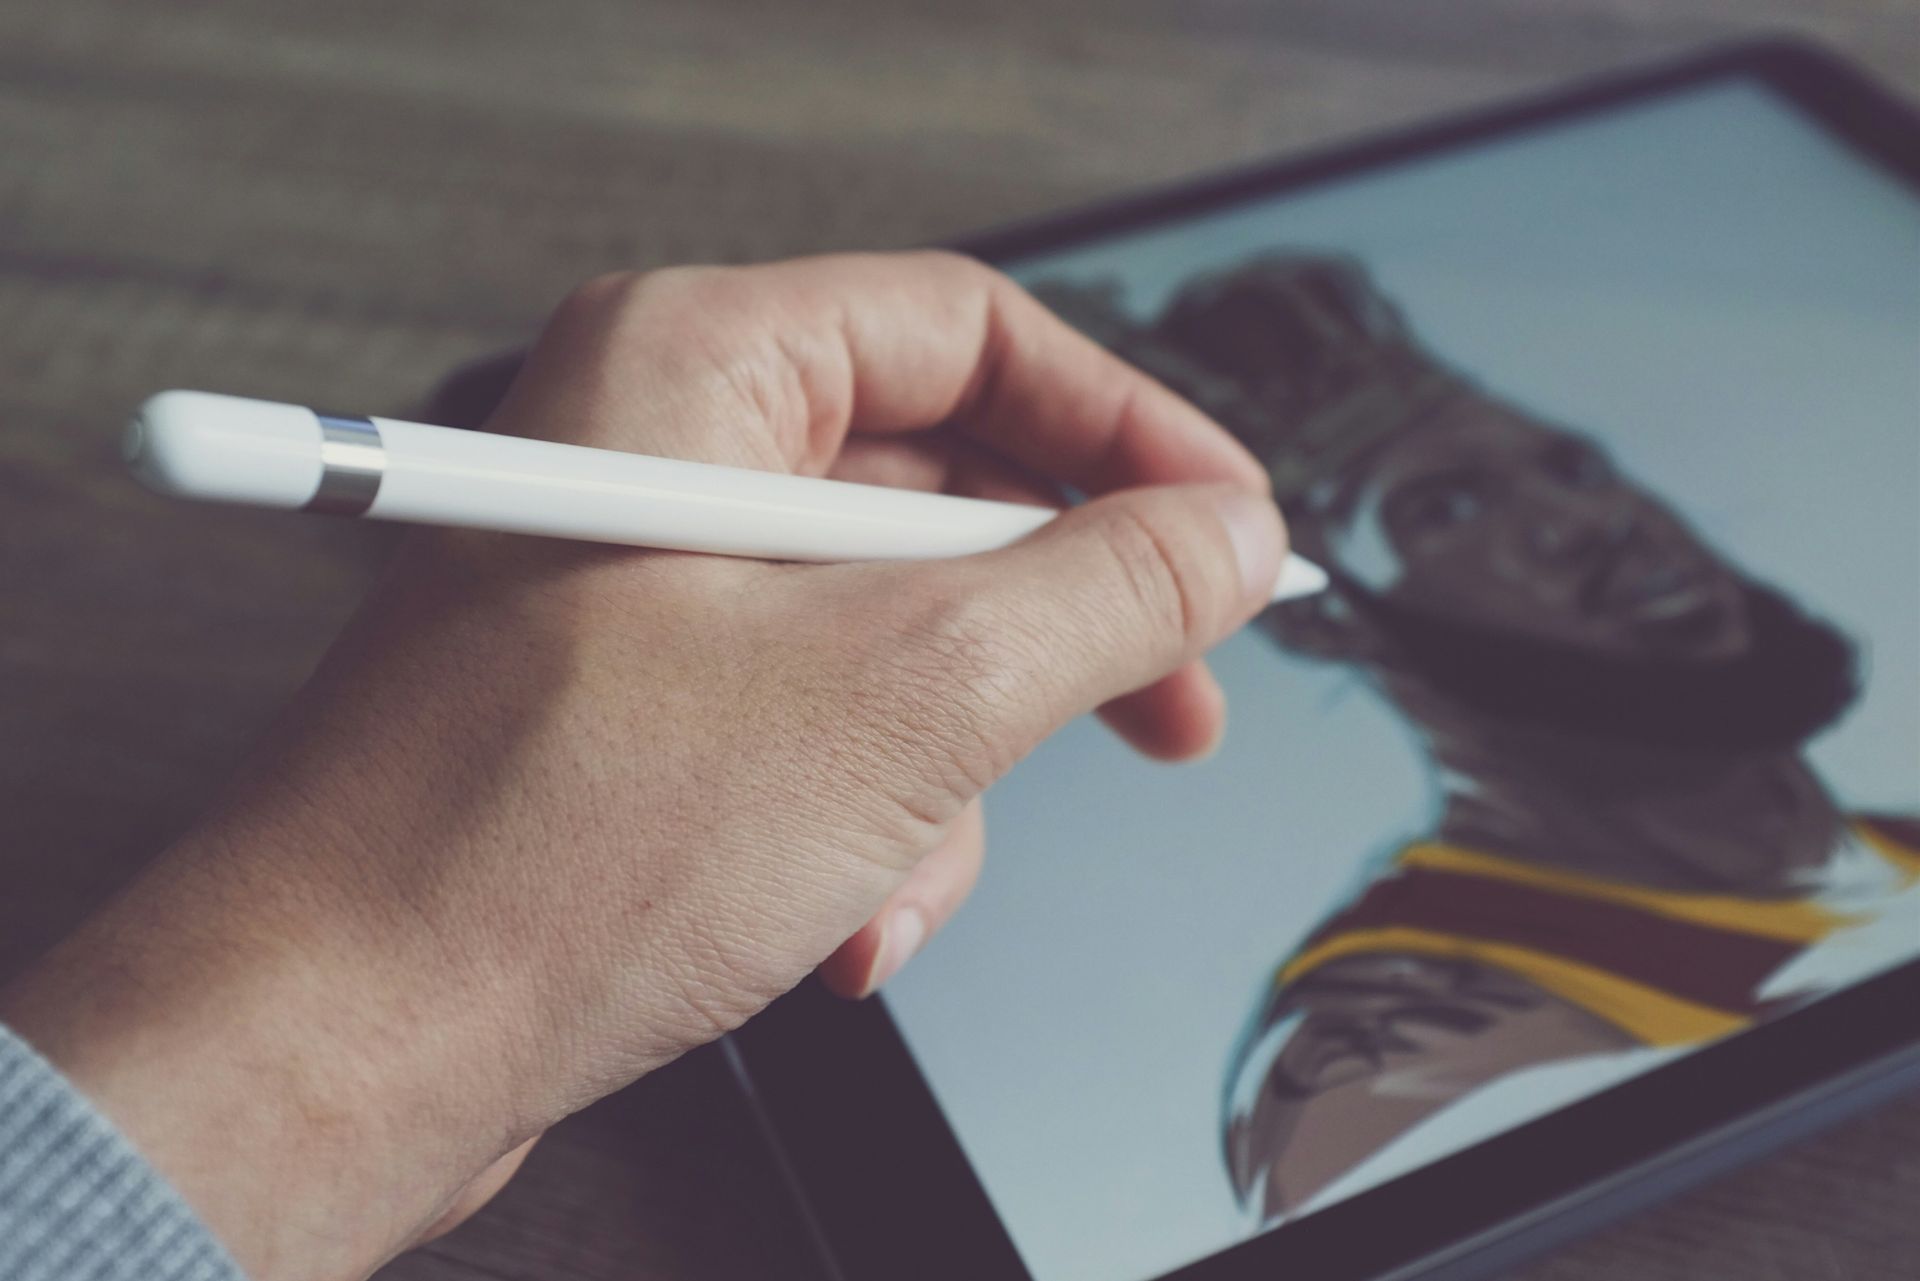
{"x": 271, "y": 1084}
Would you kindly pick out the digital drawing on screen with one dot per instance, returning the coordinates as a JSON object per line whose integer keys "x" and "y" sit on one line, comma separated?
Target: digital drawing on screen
{"x": 1628, "y": 847}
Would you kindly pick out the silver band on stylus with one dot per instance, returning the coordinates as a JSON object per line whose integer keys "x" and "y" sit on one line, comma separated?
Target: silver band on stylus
{"x": 352, "y": 461}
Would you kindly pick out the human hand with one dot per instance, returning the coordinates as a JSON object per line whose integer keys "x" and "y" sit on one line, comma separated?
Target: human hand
{"x": 549, "y": 815}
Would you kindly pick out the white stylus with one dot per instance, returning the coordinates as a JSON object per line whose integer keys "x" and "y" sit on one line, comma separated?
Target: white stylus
{"x": 196, "y": 444}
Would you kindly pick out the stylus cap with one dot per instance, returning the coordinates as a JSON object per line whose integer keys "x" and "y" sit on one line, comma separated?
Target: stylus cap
{"x": 194, "y": 444}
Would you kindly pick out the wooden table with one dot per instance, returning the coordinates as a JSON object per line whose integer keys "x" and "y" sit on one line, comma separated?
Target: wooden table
{"x": 331, "y": 202}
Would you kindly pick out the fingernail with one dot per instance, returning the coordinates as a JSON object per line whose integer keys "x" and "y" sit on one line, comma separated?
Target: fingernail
{"x": 1253, "y": 523}
{"x": 905, "y": 930}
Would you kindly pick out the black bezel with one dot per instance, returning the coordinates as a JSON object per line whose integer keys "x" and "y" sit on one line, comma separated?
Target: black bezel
{"x": 886, "y": 1183}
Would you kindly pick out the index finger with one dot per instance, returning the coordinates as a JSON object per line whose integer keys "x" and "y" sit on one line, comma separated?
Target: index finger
{"x": 932, "y": 337}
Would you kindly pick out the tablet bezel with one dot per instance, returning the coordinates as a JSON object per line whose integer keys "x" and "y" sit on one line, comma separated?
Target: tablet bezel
{"x": 889, "y": 1190}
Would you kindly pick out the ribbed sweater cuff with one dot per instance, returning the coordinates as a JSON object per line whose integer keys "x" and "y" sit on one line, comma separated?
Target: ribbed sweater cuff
{"x": 77, "y": 1202}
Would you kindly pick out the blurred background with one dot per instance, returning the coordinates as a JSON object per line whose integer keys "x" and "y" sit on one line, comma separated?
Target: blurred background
{"x": 333, "y": 203}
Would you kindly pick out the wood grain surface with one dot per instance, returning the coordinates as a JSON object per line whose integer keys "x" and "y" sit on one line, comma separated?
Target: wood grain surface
{"x": 333, "y": 202}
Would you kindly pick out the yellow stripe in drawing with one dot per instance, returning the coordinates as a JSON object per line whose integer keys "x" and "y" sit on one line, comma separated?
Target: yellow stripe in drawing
{"x": 1900, "y": 856}
{"x": 1646, "y": 1013}
{"x": 1789, "y": 920}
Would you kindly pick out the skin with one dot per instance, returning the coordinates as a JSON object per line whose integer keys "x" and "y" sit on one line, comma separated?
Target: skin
{"x": 1487, "y": 515}
{"x": 550, "y": 815}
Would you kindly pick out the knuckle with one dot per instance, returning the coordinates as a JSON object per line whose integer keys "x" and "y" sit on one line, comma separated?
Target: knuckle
{"x": 619, "y": 298}
{"x": 682, "y": 289}
{"x": 956, "y": 263}
{"x": 601, "y": 297}
{"x": 1156, "y": 578}
{"x": 706, "y": 334}
{"x": 968, "y": 278}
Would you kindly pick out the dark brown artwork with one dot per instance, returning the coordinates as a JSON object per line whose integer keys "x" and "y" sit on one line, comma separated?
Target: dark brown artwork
{"x": 1630, "y": 849}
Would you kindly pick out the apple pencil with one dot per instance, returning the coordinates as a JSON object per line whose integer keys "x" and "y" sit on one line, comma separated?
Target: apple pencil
{"x": 195, "y": 444}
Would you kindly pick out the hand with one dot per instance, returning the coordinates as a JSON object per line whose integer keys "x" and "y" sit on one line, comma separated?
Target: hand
{"x": 550, "y": 814}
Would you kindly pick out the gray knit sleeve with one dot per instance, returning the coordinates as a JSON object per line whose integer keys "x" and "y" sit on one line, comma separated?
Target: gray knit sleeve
{"x": 77, "y": 1203}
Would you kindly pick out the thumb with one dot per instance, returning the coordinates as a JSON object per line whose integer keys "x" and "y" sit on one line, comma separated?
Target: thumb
{"x": 1106, "y": 599}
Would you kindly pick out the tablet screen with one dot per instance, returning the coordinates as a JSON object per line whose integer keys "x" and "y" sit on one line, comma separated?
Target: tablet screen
{"x": 1606, "y": 746}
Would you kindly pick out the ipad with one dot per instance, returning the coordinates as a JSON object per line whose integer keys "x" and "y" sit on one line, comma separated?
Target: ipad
{"x": 1567, "y": 848}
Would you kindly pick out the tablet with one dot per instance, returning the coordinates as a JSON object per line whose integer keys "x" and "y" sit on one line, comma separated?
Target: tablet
{"x": 1566, "y": 849}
